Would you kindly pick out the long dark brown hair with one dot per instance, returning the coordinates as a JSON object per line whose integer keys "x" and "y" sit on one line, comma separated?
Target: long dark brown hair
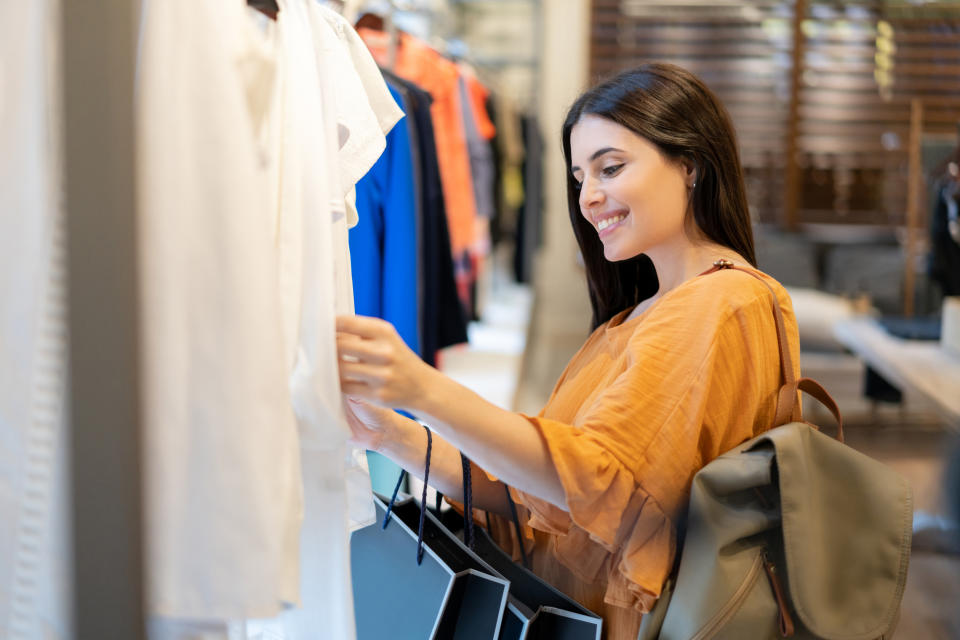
{"x": 671, "y": 108}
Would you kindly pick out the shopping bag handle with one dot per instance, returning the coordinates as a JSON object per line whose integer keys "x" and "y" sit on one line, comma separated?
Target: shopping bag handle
{"x": 468, "y": 536}
{"x": 467, "y": 503}
{"x": 516, "y": 526}
{"x": 423, "y": 498}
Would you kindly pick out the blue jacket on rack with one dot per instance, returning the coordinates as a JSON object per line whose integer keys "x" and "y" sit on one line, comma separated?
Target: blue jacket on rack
{"x": 383, "y": 244}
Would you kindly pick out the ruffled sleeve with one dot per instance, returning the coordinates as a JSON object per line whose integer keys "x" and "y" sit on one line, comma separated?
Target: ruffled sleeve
{"x": 613, "y": 527}
{"x": 627, "y": 454}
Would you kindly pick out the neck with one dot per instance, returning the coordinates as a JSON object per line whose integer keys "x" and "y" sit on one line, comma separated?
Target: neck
{"x": 685, "y": 259}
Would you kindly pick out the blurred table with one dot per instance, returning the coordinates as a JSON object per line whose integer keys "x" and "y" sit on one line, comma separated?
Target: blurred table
{"x": 917, "y": 366}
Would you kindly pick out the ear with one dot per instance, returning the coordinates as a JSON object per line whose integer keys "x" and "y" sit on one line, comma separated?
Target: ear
{"x": 689, "y": 171}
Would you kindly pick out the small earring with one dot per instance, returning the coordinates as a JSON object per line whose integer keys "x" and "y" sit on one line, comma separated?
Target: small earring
{"x": 694, "y": 185}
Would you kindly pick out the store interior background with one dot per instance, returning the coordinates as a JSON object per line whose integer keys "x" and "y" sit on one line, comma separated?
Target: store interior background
{"x": 845, "y": 226}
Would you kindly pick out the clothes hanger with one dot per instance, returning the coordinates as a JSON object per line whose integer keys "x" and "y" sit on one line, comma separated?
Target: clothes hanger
{"x": 385, "y": 24}
{"x": 266, "y": 7}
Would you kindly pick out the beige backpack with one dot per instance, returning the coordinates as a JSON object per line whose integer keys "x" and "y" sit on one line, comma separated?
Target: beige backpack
{"x": 792, "y": 533}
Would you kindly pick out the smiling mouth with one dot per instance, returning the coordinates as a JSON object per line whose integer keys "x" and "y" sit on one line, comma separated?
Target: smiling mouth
{"x": 609, "y": 222}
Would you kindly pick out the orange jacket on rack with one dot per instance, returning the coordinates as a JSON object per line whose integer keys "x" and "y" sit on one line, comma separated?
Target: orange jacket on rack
{"x": 417, "y": 62}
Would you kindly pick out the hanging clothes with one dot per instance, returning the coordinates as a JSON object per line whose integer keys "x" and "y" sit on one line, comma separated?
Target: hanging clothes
{"x": 354, "y": 89}
{"x": 384, "y": 245}
{"x": 510, "y": 149}
{"x": 496, "y": 221}
{"x": 417, "y": 62}
{"x": 479, "y": 130}
{"x": 221, "y": 458}
{"x": 337, "y": 110}
{"x": 442, "y": 318}
{"x": 310, "y": 200}
{"x": 35, "y": 589}
{"x": 384, "y": 252}
{"x": 530, "y": 221}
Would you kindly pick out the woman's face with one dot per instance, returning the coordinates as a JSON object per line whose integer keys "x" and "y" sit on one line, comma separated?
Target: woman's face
{"x": 635, "y": 198}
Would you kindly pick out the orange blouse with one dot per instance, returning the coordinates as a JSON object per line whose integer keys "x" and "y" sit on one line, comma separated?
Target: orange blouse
{"x": 638, "y": 411}
{"x": 420, "y": 64}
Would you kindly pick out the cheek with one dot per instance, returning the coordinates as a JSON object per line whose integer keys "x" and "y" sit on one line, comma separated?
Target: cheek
{"x": 660, "y": 199}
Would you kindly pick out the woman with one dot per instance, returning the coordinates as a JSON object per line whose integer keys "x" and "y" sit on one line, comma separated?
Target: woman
{"x": 681, "y": 366}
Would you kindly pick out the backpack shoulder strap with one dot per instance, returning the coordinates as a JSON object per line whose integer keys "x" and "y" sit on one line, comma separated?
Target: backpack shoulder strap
{"x": 789, "y": 408}
{"x": 788, "y": 404}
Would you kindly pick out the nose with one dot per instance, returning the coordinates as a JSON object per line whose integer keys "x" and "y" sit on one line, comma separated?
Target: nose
{"x": 590, "y": 195}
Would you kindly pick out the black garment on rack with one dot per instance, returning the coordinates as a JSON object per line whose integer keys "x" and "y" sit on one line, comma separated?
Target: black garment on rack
{"x": 442, "y": 318}
{"x": 529, "y": 224}
{"x": 496, "y": 223}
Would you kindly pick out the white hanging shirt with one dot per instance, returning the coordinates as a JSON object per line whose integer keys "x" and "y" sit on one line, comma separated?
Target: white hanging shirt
{"x": 332, "y": 137}
{"x": 354, "y": 89}
{"x": 222, "y": 477}
{"x": 309, "y": 184}
{"x": 366, "y": 111}
{"x": 34, "y": 548}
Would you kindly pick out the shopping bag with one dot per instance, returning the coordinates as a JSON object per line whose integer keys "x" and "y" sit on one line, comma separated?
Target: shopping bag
{"x": 450, "y": 593}
{"x": 535, "y": 610}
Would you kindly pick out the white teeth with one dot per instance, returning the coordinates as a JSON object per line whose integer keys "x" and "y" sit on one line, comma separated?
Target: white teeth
{"x": 606, "y": 222}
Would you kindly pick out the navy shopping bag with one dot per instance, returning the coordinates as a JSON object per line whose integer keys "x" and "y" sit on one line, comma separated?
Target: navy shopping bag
{"x": 536, "y": 610}
{"x": 450, "y": 593}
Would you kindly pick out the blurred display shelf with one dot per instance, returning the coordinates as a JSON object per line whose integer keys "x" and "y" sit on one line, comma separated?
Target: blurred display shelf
{"x": 917, "y": 366}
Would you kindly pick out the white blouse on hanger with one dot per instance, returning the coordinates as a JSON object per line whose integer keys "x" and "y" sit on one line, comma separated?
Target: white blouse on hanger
{"x": 222, "y": 477}
{"x": 325, "y": 97}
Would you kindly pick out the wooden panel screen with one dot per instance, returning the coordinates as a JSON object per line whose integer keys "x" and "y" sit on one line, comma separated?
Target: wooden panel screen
{"x": 861, "y": 64}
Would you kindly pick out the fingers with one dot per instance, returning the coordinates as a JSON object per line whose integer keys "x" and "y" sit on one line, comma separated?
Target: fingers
{"x": 358, "y": 389}
{"x": 374, "y": 383}
{"x": 364, "y": 326}
{"x": 375, "y": 395}
{"x": 374, "y": 362}
{"x": 368, "y": 374}
{"x": 363, "y": 350}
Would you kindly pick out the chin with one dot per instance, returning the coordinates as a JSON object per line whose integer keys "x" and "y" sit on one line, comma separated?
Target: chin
{"x": 618, "y": 254}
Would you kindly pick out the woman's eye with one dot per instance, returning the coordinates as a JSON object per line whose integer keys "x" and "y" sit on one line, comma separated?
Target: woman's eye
{"x": 611, "y": 170}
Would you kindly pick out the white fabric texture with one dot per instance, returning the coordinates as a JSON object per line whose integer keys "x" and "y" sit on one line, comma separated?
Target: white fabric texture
{"x": 222, "y": 477}
{"x": 309, "y": 194}
{"x": 332, "y": 137}
{"x": 366, "y": 111}
{"x": 354, "y": 89}
{"x": 35, "y": 575}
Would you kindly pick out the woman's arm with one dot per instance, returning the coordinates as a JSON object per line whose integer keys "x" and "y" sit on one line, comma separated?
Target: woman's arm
{"x": 405, "y": 442}
{"x": 377, "y": 366}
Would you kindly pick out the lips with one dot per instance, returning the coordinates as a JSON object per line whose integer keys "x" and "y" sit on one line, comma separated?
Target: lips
{"x": 608, "y": 223}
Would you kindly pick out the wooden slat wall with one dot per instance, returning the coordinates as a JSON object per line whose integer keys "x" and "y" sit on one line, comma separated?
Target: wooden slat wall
{"x": 851, "y": 141}
{"x": 741, "y": 50}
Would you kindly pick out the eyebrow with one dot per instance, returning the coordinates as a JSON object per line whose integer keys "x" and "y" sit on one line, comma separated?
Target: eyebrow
{"x": 596, "y": 154}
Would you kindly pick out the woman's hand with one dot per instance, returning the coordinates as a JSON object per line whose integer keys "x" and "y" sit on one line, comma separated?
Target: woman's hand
{"x": 377, "y": 366}
{"x": 369, "y": 425}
